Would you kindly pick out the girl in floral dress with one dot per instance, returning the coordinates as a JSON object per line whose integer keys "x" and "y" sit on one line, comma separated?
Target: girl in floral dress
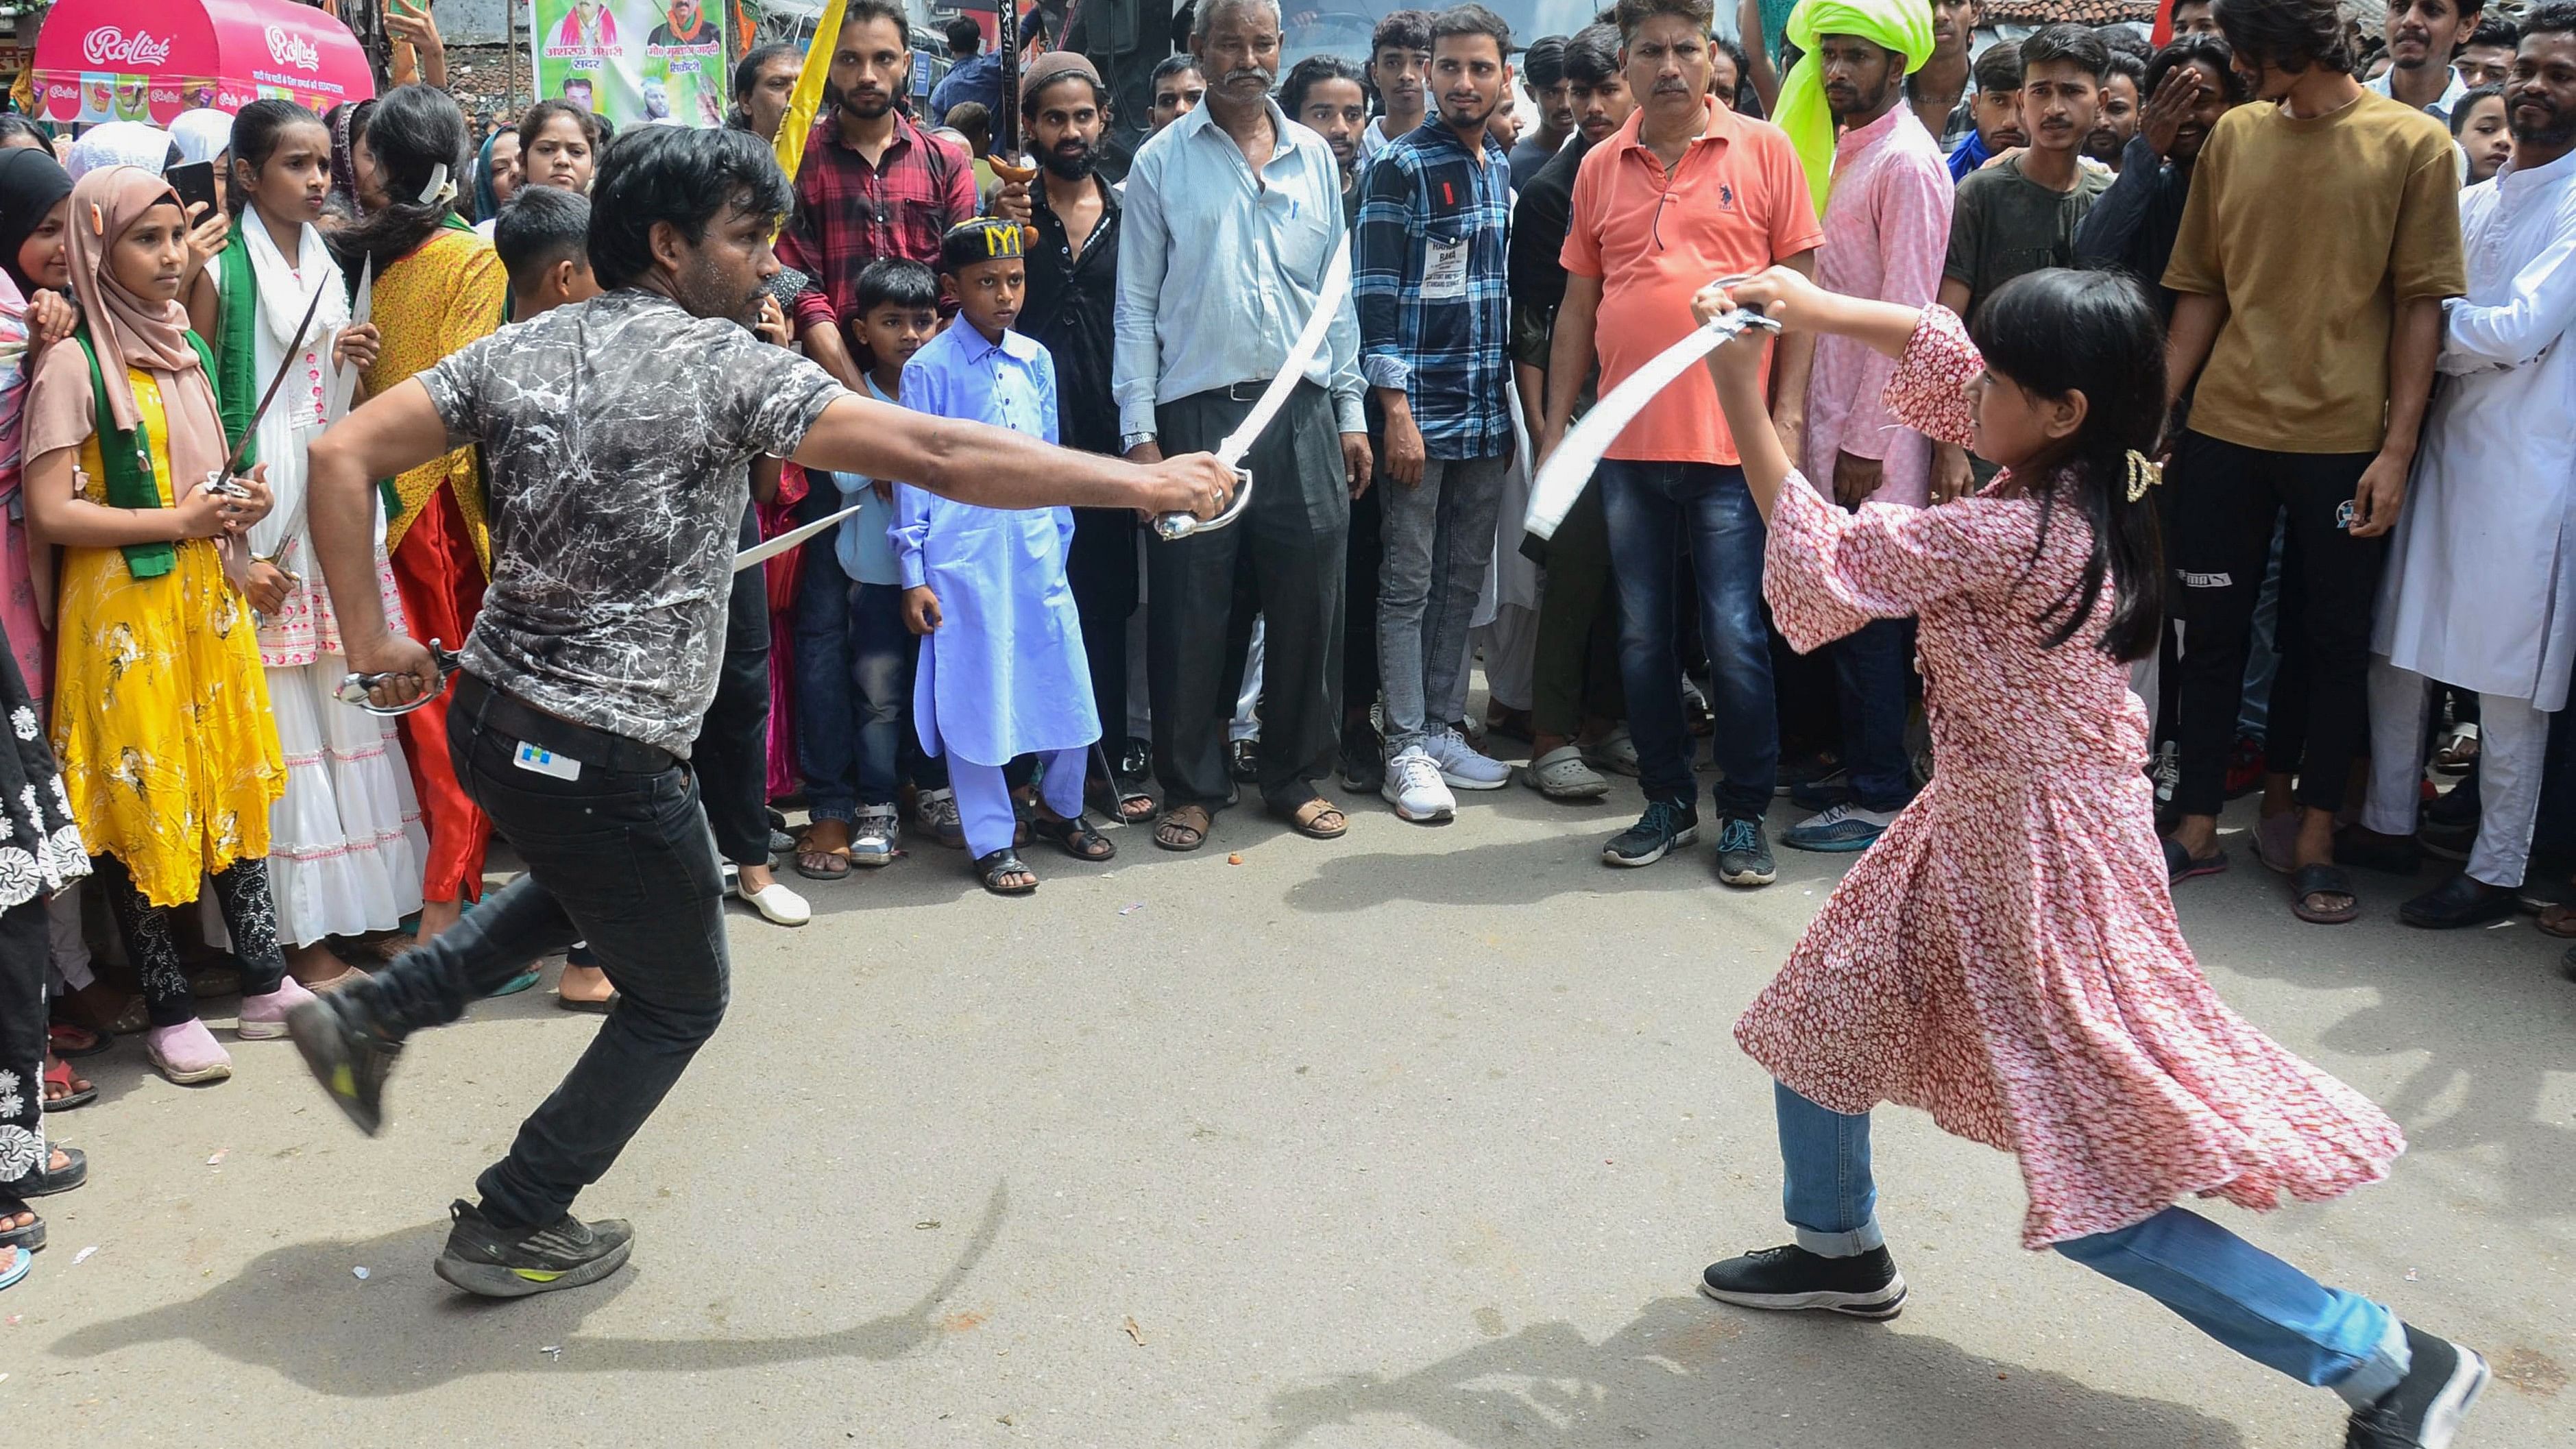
{"x": 2006, "y": 956}
{"x": 161, "y": 715}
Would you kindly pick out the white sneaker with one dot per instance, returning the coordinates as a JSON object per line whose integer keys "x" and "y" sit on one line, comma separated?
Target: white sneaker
{"x": 776, "y": 902}
{"x": 874, "y": 832}
{"x": 1413, "y": 787}
{"x": 1462, "y": 767}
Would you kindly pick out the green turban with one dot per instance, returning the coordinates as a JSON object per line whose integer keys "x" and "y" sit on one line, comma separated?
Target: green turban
{"x": 1903, "y": 26}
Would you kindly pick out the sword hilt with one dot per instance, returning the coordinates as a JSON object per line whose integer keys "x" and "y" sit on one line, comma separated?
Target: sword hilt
{"x": 1170, "y": 526}
{"x": 356, "y": 689}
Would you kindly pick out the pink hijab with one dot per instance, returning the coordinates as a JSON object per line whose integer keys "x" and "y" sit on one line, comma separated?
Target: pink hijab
{"x": 152, "y": 336}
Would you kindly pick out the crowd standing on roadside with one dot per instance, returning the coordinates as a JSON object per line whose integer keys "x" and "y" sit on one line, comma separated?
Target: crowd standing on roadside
{"x": 2360, "y": 276}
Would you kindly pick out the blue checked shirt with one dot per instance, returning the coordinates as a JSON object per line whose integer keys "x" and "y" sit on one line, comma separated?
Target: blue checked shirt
{"x": 1428, "y": 276}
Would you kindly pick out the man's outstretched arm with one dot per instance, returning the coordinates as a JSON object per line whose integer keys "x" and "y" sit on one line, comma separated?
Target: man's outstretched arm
{"x": 998, "y": 468}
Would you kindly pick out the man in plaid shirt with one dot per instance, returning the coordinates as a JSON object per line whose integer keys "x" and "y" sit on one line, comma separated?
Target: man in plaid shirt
{"x": 1427, "y": 272}
{"x": 872, "y": 184}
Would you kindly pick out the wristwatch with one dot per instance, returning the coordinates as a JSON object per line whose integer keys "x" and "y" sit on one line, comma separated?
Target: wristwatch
{"x": 1130, "y": 442}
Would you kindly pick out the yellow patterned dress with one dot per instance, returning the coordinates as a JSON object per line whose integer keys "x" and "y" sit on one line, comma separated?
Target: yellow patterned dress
{"x": 161, "y": 715}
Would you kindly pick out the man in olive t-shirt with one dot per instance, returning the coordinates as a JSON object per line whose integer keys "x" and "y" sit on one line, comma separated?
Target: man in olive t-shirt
{"x": 2321, "y": 237}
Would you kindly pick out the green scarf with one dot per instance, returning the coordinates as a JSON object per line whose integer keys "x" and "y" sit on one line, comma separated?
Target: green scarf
{"x": 1903, "y": 26}
{"x": 125, "y": 460}
{"x": 236, "y": 369}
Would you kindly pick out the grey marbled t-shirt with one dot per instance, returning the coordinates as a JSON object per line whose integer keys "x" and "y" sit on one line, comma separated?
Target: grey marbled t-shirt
{"x": 615, "y": 436}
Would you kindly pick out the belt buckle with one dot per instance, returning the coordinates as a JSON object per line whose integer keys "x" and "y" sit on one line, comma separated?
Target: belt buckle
{"x": 1245, "y": 391}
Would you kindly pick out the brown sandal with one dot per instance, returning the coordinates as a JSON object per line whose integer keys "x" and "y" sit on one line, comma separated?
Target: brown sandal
{"x": 1174, "y": 831}
{"x": 1307, "y": 820}
{"x": 827, "y": 845}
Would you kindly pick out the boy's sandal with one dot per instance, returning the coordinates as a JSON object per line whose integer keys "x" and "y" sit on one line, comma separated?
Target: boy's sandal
{"x": 1075, "y": 837}
{"x": 68, "y": 1041}
{"x": 14, "y": 1263}
{"x": 77, "y": 1091}
{"x": 1183, "y": 828}
{"x": 2313, "y": 881}
{"x": 1001, "y": 864}
{"x": 2181, "y": 865}
{"x": 1309, "y": 820}
{"x": 31, "y": 1237}
{"x": 824, "y": 852}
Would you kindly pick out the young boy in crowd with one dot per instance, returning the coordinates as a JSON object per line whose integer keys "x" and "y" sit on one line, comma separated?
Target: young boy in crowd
{"x": 1995, "y": 107}
{"x": 1002, "y": 671}
{"x": 543, "y": 237}
{"x": 894, "y": 310}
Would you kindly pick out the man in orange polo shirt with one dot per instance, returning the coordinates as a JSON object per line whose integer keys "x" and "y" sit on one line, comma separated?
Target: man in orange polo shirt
{"x": 1686, "y": 192}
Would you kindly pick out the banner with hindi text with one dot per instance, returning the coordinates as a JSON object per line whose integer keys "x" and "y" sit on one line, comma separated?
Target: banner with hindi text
{"x": 632, "y": 61}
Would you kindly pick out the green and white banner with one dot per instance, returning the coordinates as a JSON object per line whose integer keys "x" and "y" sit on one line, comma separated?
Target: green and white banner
{"x": 632, "y": 61}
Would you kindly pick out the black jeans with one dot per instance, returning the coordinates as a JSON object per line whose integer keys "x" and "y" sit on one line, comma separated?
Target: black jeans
{"x": 250, "y": 915}
{"x": 2226, "y": 499}
{"x": 1101, "y": 570}
{"x": 22, "y": 1038}
{"x": 624, "y": 861}
{"x": 731, "y": 756}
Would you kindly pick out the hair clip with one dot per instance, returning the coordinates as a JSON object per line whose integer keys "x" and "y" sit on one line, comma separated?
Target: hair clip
{"x": 440, "y": 190}
{"x": 2143, "y": 475}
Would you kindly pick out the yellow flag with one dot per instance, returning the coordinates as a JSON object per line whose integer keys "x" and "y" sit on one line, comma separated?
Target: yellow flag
{"x": 807, "y": 100}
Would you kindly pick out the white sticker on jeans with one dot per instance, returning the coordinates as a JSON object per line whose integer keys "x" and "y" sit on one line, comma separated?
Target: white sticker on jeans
{"x": 545, "y": 762}
{"x": 1444, "y": 270}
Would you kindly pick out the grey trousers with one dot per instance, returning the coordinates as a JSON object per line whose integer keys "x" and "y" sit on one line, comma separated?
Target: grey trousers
{"x": 1282, "y": 559}
{"x": 1439, "y": 540}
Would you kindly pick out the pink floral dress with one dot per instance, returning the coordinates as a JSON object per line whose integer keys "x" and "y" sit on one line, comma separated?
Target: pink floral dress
{"x": 2006, "y": 956}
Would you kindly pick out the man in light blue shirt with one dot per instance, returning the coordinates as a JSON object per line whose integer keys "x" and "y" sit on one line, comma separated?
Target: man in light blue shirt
{"x": 1232, "y": 216}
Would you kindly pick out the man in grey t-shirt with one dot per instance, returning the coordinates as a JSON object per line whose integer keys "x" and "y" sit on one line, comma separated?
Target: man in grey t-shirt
{"x": 614, "y": 435}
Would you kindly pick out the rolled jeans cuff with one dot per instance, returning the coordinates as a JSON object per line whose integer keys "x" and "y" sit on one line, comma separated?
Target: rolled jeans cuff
{"x": 1863, "y": 1239}
{"x": 2387, "y": 1366}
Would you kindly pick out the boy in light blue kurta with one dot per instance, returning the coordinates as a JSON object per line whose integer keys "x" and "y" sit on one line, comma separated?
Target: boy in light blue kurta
{"x": 1002, "y": 671}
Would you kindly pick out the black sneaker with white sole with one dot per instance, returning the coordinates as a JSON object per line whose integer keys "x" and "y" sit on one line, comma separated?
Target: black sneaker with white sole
{"x": 498, "y": 1262}
{"x": 1666, "y": 825}
{"x": 2426, "y": 1407}
{"x": 1866, "y": 1285}
{"x": 1743, "y": 856}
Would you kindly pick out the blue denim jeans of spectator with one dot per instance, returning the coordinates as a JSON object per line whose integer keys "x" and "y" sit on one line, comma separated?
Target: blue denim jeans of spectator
{"x": 623, "y": 860}
{"x": 1439, "y": 540}
{"x": 883, "y": 657}
{"x": 1874, "y": 667}
{"x": 1655, "y": 512}
{"x": 827, "y": 735}
{"x": 2222, "y": 1285}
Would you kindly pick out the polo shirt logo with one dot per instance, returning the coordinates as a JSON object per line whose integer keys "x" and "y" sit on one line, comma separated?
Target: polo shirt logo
{"x": 1725, "y": 196}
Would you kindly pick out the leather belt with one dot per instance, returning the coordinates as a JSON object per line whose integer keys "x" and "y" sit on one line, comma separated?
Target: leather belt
{"x": 488, "y": 708}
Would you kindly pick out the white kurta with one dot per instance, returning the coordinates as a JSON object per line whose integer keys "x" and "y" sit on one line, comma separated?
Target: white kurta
{"x": 2480, "y": 590}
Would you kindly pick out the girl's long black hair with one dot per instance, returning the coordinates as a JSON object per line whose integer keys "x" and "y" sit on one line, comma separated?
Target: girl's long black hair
{"x": 2056, "y": 332}
{"x": 411, "y": 132}
{"x": 256, "y": 128}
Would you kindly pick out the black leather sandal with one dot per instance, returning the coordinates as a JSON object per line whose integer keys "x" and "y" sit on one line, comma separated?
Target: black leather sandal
{"x": 1005, "y": 862}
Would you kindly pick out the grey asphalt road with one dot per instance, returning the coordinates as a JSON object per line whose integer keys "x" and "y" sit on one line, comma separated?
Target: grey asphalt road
{"x": 1419, "y": 1138}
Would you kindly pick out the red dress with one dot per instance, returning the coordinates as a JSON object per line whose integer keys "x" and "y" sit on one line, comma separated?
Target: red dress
{"x": 2006, "y": 956}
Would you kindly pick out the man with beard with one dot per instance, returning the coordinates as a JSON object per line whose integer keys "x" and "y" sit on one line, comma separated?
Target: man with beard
{"x": 2019, "y": 215}
{"x": 2189, "y": 85}
{"x": 573, "y": 719}
{"x": 1427, "y": 262}
{"x": 2421, "y": 36}
{"x": 1938, "y": 89}
{"x": 1576, "y": 701}
{"x": 2480, "y": 591}
{"x": 1685, "y": 191}
{"x": 1072, "y": 290}
{"x": 1232, "y": 216}
{"x": 872, "y": 185}
{"x": 1399, "y": 67}
{"x": 2115, "y": 121}
{"x": 2319, "y": 344}
{"x": 1543, "y": 71}
{"x": 1994, "y": 110}
{"x": 1885, "y": 217}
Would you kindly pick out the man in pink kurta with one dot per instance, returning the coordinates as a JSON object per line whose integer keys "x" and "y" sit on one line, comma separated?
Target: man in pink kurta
{"x": 1887, "y": 224}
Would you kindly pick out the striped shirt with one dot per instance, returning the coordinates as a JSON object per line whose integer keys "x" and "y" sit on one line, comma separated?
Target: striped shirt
{"x": 1429, "y": 277}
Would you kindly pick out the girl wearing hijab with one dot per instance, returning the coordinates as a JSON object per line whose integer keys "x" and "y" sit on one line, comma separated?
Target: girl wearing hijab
{"x": 161, "y": 718}
{"x": 438, "y": 287}
{"x": 496, "y": 178}
{"x": 346, "y": 845}
{"x": 119, "y": 143}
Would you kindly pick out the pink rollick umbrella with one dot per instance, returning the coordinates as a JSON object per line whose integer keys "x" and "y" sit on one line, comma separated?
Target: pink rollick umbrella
{"x": 112, "y": 60}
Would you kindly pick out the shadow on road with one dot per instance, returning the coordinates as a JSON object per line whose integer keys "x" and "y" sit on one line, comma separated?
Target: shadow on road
{"x": 1687, "y": 1371}
{"x": 291, "y": 1310}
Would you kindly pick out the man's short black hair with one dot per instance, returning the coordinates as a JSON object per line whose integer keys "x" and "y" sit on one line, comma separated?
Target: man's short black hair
{"x": 682, "y": 175}
{"x": 1592, "y": 55}
{"x": 1401, "y": 30}
{"x": 541, "y": 226}
{"x": 2494, "y": 28}
{"x": 2121, "y": 40}
{"x": 1543, "y": 64}
{"x": 1633, "y": 13}
{"x": 2206, "y": 50}
{"x": 2127, "y": 63}
{"x": 1313, "y": 71}
{"x": 1471, "y": 18}
{"x": 1998, "y": 67}
{"x": 2290, "y": 35}
{"x": 1172, "y": 65}
{"x": 2552, "y": 17}
{"x": 861, "y": 11}
{"x": 893, "y": 281}
{"x": 2074, "y": 44}
{"x": 965, "y": 37}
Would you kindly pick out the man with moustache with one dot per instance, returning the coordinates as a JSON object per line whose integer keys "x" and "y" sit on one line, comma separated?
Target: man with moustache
{"x": 2480, "y": 591}
{"x": 1427, "y": 262}
{"x": 1685, "y": 191}
{"x": 872, "y": 184}
{"x": 2421, "y": 35}
{"x": 1233, "y": 214}
{"x": 1886, "y": 217}
{"x": 2115, "y": 120}
{"x": 1072, "y": 290}
{"x": 2132, "y": 226}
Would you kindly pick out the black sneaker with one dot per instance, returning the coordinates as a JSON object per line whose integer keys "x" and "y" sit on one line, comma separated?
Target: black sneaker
{"x": 1743, "y": 856}
{"x": 1363, "y": 757}
{"x": 2426, "y": 1407}
{"x": 1136, "y": 759}
{"x": 1790, "y": 1277}
{"x": 1243, "y": 759}
{"x": 498, "y": 1262}
{"x": 1666, "y": 824}
{"x": 347, "y": 1055}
